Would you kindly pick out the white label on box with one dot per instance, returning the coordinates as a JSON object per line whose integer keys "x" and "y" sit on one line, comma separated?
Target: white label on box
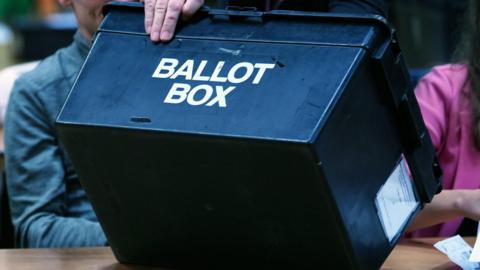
{"x": 396, "y": 201}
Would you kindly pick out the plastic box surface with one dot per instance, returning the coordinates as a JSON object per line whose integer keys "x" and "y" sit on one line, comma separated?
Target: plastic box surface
{"x": 251, "y": 141}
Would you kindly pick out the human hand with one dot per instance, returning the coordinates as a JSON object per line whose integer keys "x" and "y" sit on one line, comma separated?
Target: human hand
{"x": 447, "y": 205}
{"x": 161, "y": 16}
{"x": 468, "y": 203}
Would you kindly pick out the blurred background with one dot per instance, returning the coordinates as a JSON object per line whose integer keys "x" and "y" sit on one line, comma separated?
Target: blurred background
{"x": 33, "y": 29}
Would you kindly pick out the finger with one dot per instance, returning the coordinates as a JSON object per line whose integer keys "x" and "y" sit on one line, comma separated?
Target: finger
{"x": 159, "y": 16}
{"x": 174, "y": 9}
{"x": 149, "y": 12}
{"x": 190, "y": 7}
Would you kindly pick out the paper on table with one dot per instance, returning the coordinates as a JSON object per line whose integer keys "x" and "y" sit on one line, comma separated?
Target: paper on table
{"x": 458, "y": 251}
{"x": 475, "y": 256}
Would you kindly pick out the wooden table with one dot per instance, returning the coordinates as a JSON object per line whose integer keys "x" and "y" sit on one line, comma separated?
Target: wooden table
{"x": 412, "y": 254}
{"x": 420, "y": 254}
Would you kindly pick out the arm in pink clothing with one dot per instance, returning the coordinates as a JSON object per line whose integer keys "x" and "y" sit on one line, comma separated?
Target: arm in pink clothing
{"x": 434, "y": 94}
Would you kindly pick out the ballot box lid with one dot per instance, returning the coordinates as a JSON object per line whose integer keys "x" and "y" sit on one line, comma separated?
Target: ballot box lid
{"x": 267, "y": 75}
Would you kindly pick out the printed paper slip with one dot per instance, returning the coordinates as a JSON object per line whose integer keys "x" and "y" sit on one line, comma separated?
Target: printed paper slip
{"x": 458, "y": 251}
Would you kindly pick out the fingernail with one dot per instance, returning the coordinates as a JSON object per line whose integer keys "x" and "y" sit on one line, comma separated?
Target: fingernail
{"x": 166, "y": 36}
{"x": 155, "y": 36}
{"x": 149, "y": 28}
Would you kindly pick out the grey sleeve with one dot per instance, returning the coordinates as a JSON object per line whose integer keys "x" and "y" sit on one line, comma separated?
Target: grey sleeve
{"x": 35, "y": 179}
{"x": 378, "y": 7}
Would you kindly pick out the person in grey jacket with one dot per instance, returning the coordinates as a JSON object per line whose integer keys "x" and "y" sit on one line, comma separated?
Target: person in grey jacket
{"x": 49, "y": 207}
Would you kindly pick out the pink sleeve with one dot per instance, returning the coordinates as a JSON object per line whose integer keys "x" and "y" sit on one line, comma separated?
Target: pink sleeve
{"x": 434, "y": 93}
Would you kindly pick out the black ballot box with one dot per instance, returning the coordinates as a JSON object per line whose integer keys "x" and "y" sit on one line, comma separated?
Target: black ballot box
{"x": 277, "y": 140}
